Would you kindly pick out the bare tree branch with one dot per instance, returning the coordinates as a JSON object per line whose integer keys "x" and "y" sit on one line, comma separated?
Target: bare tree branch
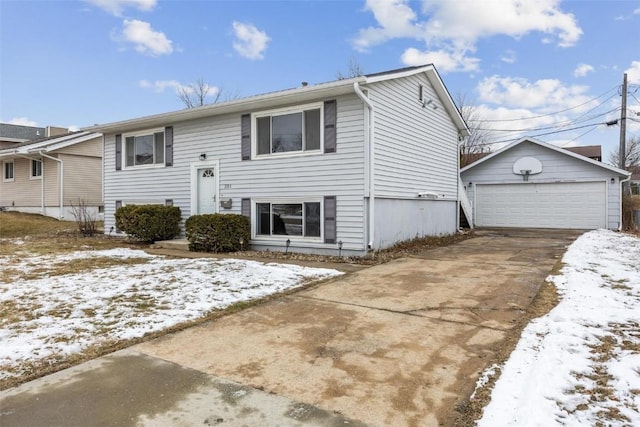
{"x": 354, "y": 69}
{"x": 478, "y": 140}
{"x": 632, "y": 154}
{"x": 197, "y": 94}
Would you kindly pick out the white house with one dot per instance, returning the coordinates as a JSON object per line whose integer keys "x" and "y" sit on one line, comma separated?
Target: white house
{"x": 534, "y": 184}
{"x": 356, "y": 164}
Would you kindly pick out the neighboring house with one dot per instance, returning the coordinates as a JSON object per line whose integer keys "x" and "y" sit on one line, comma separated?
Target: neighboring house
{"x": 534, "y": 184}
{"x": 353, "y": 164}
{"x": 635, "y": 179}
{"x": 51, "y": 175}
{"x": 593, "y": 152}
{"x": 10, "y": 135}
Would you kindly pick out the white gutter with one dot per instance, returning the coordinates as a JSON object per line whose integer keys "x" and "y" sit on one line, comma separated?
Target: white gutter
{"x": 371, "y": 128}
{"x": 60, "y": 180}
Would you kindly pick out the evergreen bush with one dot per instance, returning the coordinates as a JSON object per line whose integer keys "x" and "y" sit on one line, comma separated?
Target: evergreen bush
{"x": 149, "y": 223}
{"x": 218, "y": 232}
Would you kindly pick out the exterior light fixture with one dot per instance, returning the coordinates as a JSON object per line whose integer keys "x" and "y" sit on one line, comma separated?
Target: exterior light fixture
{"x": 241, "y": 244}
{"x": 203, "y": 156}
{"x": 287, "y": 244}
{"x": 613, "y": 180}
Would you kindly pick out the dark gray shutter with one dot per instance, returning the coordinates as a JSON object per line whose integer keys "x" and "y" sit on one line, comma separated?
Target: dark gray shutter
{"x": 118, "y": 206}
{"x": 330, "y": 115}
{"x": 246, "y": 136}
{"x": 118, "y": 152}
{"x": 245, "y": 208}
{"x": 168, "y": 146}
{"x": 330, "y": 219}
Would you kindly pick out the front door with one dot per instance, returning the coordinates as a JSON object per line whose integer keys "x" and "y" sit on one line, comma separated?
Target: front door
{"x": 206, "y": 190}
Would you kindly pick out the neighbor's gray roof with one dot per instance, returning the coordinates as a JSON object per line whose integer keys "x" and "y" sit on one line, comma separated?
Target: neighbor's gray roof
{"x": 19, "y": 132}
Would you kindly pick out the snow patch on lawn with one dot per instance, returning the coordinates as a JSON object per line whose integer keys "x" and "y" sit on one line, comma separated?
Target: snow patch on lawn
{"x": 580, "y": 363}
{"x": 53, "y": 317}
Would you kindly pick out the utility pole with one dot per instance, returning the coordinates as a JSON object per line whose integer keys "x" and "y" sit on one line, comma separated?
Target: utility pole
{"x": 623, "y": 125}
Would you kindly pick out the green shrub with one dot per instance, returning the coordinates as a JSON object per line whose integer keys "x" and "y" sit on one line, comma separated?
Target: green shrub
{"x": 218, "y": 232}
{"x": 149, "y": 223}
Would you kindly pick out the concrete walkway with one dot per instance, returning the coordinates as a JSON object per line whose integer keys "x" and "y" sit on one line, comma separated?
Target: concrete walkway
{"x": 396, "y": 344}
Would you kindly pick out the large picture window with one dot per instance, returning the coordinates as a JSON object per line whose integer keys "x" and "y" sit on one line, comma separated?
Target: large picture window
{"x": 145, "y": 149}
{"x": 288, "y": 219}
{"x": 289, "y": 131}
{"x": 8, "y": 171}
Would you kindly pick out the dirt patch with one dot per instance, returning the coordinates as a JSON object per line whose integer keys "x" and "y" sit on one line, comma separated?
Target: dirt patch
{"x": 469, "y": 410}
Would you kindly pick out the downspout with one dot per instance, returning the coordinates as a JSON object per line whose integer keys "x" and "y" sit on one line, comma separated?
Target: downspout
{"x": 60, "y": 183}
{"x": 371, "y": 128}
{"x": 622, "y": 181}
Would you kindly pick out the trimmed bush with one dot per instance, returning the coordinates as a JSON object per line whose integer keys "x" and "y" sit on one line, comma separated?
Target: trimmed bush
{"x": 149, "y": 223}
{"x": 218, "y": 232}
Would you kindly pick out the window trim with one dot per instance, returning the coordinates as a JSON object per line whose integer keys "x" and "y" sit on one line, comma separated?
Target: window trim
{"x": 31, "y": 171}
{"x": 4, "y": 171}
{"x": 285, "y": 201}
{"x": 139, "y": 133}
{"x": 283, "y": 111}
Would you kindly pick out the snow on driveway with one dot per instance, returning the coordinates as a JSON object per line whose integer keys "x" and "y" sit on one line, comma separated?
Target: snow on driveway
{"x": 580, "y": 363}
{"x": 48, "y": 318}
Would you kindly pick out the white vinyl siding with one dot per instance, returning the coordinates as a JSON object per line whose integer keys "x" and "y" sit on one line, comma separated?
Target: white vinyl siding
{"x": 316, "y": 175}
{"x": 556, "y": 168}
{"x": 415, "y": 145}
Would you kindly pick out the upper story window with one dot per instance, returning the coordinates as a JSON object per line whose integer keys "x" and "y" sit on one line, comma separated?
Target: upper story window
{"x": 36, "y": 169}
{"x": 289, "y": 130}
{"x": 144, "y": 149}
{"x": 8, "y": 171}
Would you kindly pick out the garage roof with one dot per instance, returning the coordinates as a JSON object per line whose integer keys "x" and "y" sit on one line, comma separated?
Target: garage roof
{"x": 550, "y": 147}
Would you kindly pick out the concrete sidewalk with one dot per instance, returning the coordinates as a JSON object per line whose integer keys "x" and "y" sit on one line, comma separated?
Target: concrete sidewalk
{"x": 396, "y": 344}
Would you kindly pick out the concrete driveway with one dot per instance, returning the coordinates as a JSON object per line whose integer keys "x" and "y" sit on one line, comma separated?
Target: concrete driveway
{"x": 397, "y": 344}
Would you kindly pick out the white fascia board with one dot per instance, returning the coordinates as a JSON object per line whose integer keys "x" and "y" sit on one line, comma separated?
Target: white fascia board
{"x": 252, "y": 103}
{"x": 53, "y": 145}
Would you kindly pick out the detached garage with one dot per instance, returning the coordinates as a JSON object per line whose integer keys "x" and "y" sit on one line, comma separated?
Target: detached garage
{"x": 533, "y": 184}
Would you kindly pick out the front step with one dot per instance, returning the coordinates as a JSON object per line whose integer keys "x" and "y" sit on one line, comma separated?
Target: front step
{"x": 179, "y": 244}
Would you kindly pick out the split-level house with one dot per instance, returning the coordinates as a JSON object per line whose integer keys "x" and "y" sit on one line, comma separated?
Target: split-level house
{"x": 350, "y": 165}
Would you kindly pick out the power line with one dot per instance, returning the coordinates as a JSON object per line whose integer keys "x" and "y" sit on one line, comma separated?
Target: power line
{"x": 551, "y": 126}
{"x": 540, "y": 134}
{"x": 557, "y": 112}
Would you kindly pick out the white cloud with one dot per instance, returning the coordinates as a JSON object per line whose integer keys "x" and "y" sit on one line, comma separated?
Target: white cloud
{"x": 249, "y": 41}
{"x": 22, "y": 121}
{"x": 544, "y": 94}
{"x": 582, "y": 70}
{"x": 456, "y": 26}
{"x": 633, "y": 73}
{"x": 637, "y": 11}
{"x": 145, "y": 39}
{"x": 509, "y": 56}
{"x": 116, "y": 7}
{"x": 161, "y": 85}
{"x": 442, "y": 59}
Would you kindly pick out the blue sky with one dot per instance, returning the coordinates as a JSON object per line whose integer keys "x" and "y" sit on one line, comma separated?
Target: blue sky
{"x": 538, "y": 66}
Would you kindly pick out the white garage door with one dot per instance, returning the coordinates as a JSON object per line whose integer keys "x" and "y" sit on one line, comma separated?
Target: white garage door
{"x": 579, "y": 205}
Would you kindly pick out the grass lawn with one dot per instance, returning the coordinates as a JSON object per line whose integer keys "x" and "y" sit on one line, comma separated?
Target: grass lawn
{"x": 65, "y": 298}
